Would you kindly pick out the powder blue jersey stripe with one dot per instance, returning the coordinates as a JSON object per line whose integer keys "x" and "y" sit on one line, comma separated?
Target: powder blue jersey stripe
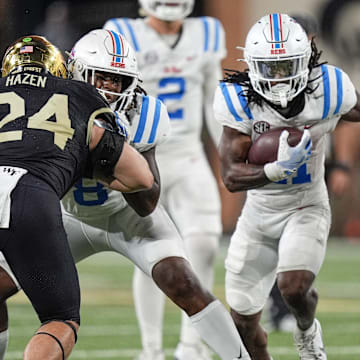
{"x": 243, "y": 101}
{"x": 326, "y": 82}
{"x": 276, "y": 29}
{"x": 122, "y": 128}
{"x": 118, "y": 46}
{"x": 229, "y": 103}
{"x": 339, "y": 88}
{"x": 217, "y": 34}
{"x": 155, "y": 122}
{"x": 206, "y": 33}
{"x": 118, "y": 26}
{"x": 142, "y": 120}
{"x": 132, "y": 34}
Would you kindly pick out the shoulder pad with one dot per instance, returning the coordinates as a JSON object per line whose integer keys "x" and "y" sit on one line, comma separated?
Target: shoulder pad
{"x": 150, "y": 124}
{"x": 339, "y": 94}
{"x": 213, "y": 36}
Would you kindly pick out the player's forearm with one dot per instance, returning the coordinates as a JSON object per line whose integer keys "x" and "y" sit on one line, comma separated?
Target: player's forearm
{"x": 144, "y": 202}
{"x": 242, "y": 177}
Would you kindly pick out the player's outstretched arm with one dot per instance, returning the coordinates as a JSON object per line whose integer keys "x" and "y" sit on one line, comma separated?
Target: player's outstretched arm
{"x": 130, "y": 172}
{"x": 235, "y": 172}
{"x": 145, "y": 202}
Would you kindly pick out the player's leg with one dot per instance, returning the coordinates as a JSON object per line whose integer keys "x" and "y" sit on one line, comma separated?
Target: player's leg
{"x": 37, "y": 251}
{"x": 208, "y": 315}
{"x": 301, "y": 254}
{"x": 194, "y": 204}
{"x": 157, "y": 249}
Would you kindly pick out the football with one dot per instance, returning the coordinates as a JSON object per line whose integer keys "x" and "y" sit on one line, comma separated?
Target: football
{"x": 264, "y": 148}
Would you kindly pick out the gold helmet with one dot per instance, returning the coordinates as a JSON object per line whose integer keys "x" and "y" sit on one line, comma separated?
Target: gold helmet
{"x": 37, "y": 51}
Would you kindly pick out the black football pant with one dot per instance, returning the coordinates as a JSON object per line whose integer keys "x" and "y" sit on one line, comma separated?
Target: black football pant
{"x": 38, "y": 253}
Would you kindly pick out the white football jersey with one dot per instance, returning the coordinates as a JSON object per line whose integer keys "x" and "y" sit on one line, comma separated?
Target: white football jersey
{"x": 334, "y": 95}
{"x": 176, "y": 75}
{"x": 149, "y": 126}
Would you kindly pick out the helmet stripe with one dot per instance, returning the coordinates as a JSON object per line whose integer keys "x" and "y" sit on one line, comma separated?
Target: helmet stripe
{"x": 271, "y": 31}
{"x": 118, "y": 48}
{"x": 281, "y": 32}
{"x": 113, "y": 43}
{"x": 276, "y": 30}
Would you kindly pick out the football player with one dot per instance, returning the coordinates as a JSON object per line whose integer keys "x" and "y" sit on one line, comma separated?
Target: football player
{"x": 97, "y": 219}
{"x": 180, "y": 61}
{"x": 283, "y": 229}
{"x": 53, "y": 131}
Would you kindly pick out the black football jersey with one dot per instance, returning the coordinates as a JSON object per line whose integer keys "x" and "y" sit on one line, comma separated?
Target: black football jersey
{"x": 45, "y": 122}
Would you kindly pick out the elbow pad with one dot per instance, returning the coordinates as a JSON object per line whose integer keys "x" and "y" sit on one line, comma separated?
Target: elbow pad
{"x": 106, "y": 154}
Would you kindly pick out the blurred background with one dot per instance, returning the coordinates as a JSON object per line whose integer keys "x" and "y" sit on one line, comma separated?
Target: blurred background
{"x": 337, "y": 34}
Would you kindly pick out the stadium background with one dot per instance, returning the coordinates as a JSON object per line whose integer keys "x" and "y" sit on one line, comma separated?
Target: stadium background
{"x": 106, "y": 285}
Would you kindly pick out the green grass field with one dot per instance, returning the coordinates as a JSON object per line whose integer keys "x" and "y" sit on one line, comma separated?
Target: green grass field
{"x": 109, "y": 329}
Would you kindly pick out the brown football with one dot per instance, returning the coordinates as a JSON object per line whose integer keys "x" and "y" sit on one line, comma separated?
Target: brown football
{"x": 264, "y": 148}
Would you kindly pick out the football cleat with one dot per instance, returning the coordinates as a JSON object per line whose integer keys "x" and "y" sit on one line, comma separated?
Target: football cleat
{"x": 310, "y": 346}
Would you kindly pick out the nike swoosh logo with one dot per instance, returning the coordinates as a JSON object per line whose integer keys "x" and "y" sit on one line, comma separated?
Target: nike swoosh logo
{"x": 240, "y": 354}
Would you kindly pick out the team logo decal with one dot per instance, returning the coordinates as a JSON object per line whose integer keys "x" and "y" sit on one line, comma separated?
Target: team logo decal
{"x": 261, "y": 127}
{"x": 151, "y": 57}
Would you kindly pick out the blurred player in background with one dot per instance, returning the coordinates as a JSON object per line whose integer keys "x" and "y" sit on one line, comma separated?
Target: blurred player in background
{"x": 97, "y": 219}
{"x": 52, "y": 133}
{"x": 180, "y": 62}
{"x": 283, "y": 229}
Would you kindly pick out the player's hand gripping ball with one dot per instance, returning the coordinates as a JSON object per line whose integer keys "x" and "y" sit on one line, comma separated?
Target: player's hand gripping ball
{"x": 265, "y": 147}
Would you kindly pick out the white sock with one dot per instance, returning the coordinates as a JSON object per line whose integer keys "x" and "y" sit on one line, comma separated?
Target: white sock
{"x": 218, "y": 330}
{"x": 201, "y": 250}
{"x": 149, "y": 303}
{"x": 4, "y": 339}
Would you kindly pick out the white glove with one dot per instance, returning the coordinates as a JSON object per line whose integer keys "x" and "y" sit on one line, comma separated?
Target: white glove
{"x": 123, "y": 125}
{"x": 289, "y": 158}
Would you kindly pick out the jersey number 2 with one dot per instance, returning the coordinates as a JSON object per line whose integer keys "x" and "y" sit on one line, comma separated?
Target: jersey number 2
{"x": 57, "y": 106}
{"x": 179, "y": 86}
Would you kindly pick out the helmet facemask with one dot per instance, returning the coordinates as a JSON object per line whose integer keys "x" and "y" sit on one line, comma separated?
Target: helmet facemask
{"x": 168, "y": 10}
{"x": 278, "y": 65}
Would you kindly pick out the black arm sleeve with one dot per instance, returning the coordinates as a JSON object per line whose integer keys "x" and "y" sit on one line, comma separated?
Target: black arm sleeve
{"x": 106, "y": 154}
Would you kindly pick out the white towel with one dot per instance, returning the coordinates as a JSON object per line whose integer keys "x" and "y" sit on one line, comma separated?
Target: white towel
{"x": 9, "y": 177}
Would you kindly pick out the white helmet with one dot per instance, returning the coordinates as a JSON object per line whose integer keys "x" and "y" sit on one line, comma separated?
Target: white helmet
{"x": 277, "y": 51}
{"x": 168, "y": 10}
{"x": 105, "y": 51}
